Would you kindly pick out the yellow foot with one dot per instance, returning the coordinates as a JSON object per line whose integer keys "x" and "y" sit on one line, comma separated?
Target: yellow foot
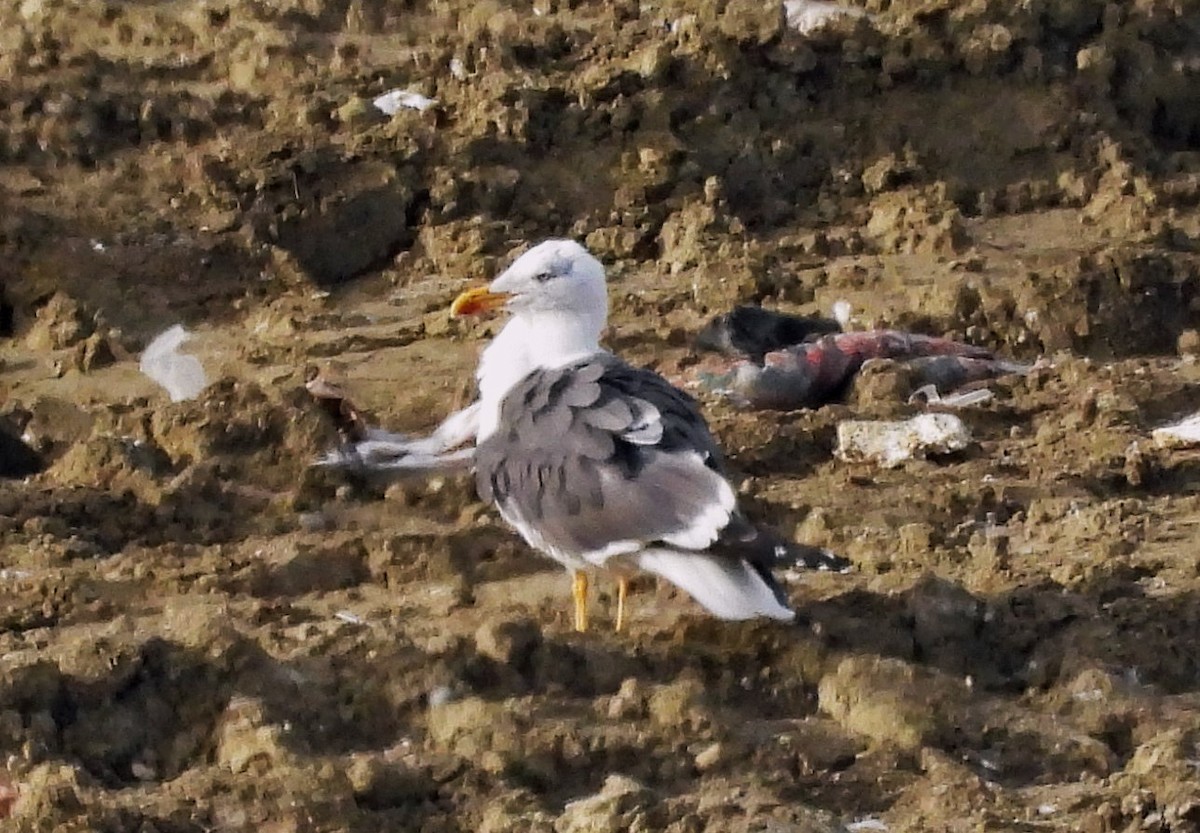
{"x": 579, "y": 591}
{"x": 622, "y": 592}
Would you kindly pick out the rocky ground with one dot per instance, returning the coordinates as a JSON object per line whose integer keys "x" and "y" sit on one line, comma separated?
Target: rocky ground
{"x": 200, "y": 633}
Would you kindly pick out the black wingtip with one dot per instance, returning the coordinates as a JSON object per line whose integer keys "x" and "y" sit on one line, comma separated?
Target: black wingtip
{"x": 805, "y": 557}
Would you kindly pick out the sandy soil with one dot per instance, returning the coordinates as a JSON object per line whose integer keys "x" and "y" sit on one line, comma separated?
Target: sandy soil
{"x": 199, "y": 633}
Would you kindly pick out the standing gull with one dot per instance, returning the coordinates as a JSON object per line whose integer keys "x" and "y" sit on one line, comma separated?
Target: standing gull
{"x": 599, "y": 464}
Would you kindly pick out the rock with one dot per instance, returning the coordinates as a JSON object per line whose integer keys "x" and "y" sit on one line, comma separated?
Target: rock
{"x": 881, "y": 699}
{"x": 916, "y": 540}
{"x": 472, "y": 727}
{"x": 889, "y": 172}
{"x": 515, "y": 812}
{"x": 617, "y": 808}
{"x": 92, "y": 353}
{"x": 1188, "y": 343}
{"x": 753, "y": 21}
{"x": 246, "y": 743}
{"x": 709, "y": 757}
{"x": 881, "y": 384}
{"x": 61, "y": 322}
{"x": 629, "y": 701}
{"x": 917, "y": 221}
{"x": 49, "y": 790}
{"x": 358, "y": 113}
{"x": 509, "y": 643}
{"x": 677, "y": 704}
{"x": 890, "y": 444}
{"x": 378, "y": 784}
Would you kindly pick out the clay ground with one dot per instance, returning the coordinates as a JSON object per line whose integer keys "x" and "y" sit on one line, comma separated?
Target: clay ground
{"x": 200, "y": 633}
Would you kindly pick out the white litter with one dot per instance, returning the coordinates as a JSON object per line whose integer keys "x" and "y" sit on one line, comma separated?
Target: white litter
{"x": 1180, "y": 434}
{"x": 866, "y": 824}
{"x": 393, "y": 101}
{"x": 458, "y": 69}
{"x": 182, "y": 375}
{"x": 841, "y": 312}
{"x": 440, "y": 696}
{"x": 348, "y": 617}
{"x": 889, "y": 444}
{"x": 929, "y": 394}
{"x": 806, "y": 16}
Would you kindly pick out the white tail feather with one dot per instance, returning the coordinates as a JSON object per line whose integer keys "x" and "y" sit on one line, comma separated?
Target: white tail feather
{"x": 728, "y": 588}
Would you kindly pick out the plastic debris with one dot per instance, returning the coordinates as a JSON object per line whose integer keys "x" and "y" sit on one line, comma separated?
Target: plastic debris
{"x": 348, "y": 617}
{"x": 806, "y": 16}
{"x": 1180, "y": 434}
{"x": 889, "y": 444}
{"x": 841, "y": 312}
{"x": 863, "y": 825}
{"x": 182, "y": 375}
{"x": 393, "y": 101}
{"x": 929, "y": 394}
{"x": 440, "y": 696}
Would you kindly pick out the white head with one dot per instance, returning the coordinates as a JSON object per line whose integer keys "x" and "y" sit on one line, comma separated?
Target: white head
{"x": 556, "y": 277}
{"x": 558, "y": 300}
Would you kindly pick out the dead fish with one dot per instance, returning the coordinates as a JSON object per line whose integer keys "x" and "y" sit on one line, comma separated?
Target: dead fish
{"x": 753, "y": 332}
{"x": 818, "y": 372}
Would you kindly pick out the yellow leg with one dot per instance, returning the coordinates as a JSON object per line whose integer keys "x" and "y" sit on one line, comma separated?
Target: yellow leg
{"x": 622, "y": 592}
{"x": 579, "y": 590}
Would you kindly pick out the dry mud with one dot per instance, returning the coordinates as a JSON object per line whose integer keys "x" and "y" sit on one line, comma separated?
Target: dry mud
{"x": 198, "y": 633}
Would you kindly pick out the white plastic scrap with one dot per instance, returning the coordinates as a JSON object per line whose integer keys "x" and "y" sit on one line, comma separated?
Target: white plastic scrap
{"x": 391, "y": 102}
{"x": 866, "y": 824}
{"x": 929, "y": 394}
{"x": 889, "y": 444}
{"x": 348, "y": 617}
{"x": 1180, "y": 434}
{"x": 182, "y": 375}
{"x": 807, "y": 16}
{"x": 841, "y": 312}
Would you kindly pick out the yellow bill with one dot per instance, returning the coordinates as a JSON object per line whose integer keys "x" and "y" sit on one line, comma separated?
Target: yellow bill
{"x": 477, "y": 301}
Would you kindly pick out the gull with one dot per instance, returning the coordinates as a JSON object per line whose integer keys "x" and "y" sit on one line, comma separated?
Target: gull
{"x": 601, "y": 465}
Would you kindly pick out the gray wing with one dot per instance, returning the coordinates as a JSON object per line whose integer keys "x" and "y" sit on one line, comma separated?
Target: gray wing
{"x": 599, "y": 457}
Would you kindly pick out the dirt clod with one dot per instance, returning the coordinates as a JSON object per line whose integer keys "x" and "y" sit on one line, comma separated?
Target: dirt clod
{"x": 620, "y": 805}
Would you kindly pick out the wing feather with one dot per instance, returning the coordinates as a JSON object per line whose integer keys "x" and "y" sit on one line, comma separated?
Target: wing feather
{"x": 600, "y": 452}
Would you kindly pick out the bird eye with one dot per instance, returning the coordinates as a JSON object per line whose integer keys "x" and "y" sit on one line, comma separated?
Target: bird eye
{"x": 542, "y": 277}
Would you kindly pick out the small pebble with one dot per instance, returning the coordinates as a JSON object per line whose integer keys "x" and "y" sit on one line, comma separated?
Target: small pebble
{"x": 710, "y": 757}
{"x": 1188, "y": 343}
{"x": 315, "y": 522}
{"x": 440, "y": 696}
